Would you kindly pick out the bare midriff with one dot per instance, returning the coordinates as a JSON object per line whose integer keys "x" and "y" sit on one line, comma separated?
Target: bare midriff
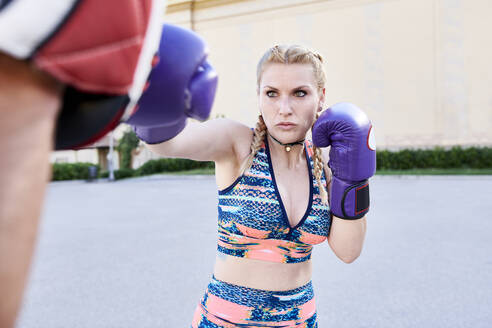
{"x": 261, "y": 274}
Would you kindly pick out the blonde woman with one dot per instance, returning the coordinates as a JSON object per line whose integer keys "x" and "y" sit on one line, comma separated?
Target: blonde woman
{"x": 273, "y": 202}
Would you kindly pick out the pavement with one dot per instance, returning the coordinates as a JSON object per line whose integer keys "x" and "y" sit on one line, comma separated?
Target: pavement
{"x": 140, "y": 253}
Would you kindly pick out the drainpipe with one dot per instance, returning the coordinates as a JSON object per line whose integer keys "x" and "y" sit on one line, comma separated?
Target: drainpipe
{"x": 192, "y": 15}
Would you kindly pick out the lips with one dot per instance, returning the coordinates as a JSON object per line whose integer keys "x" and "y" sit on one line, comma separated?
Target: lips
{"x": 286, "y": 124}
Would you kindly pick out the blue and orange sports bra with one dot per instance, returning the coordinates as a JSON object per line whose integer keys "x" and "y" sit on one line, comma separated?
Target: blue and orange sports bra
{"x": 252, "y": 218}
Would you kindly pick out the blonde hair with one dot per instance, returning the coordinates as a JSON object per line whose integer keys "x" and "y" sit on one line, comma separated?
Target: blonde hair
{"x": 318, "y": 170}
{"x": 293, "y": 54}
{"x": 289, "y": 55}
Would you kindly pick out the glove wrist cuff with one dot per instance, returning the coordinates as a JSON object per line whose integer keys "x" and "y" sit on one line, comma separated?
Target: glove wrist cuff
{"x": 160, "y": 133}
{"x": 349, "y": 199}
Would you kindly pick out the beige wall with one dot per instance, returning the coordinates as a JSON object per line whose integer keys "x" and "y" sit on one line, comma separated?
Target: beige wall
{"x": 91, "y": 154}
{"x": 420, "y": 68}
{"x": 74, "y": 156}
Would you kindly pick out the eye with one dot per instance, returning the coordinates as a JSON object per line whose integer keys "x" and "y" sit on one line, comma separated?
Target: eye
{"x": 300, "y": 93}
{"x": 271, "y": 93}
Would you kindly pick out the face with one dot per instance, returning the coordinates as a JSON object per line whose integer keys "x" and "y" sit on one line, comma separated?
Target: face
{"x": 288, "y": 100}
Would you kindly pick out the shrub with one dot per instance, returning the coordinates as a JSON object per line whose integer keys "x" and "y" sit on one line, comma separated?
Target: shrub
{"x": 126, "y": 145}
{"x": 71, "y": 171}
{"x": 123, "y": 173}
{"x": 103, "y": 174}
{"x": 455, "y": 157}
{"x": 118, "y": 174}
{"x": 171, "y": 165}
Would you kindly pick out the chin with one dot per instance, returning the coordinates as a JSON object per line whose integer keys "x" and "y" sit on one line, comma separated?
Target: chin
{"x": 288, "y": 136}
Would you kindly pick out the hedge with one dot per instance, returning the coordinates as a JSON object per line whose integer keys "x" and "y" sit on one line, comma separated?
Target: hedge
{"x": 74, "y": 171}
{"x": 118, "y": 174}
{"x": 71, "y": 171}
{"x": 171, "y": 165}
{"x": 124, "y": 173}
{"x": 455, "y": 157}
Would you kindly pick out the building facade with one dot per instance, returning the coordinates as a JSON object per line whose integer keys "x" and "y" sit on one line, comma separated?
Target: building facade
{"x": 421, "y": 69}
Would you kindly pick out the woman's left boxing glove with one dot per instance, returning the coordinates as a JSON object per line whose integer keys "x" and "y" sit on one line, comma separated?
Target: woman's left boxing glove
{"x": 349, "y": 132}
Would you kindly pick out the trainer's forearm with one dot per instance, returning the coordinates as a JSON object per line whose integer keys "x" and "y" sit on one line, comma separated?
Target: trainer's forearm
{"x": 347, "y": 238}
{"x": 28, "y": 105}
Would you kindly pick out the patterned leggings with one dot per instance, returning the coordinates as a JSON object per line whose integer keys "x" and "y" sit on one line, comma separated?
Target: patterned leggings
{"x": 226, "y": 305}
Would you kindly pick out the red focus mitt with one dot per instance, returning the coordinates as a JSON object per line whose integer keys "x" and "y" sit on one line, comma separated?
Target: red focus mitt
{"x": 101, "y": 50}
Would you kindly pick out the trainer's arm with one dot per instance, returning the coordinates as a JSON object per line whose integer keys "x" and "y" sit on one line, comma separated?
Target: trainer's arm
{"x": 28, "y": 105}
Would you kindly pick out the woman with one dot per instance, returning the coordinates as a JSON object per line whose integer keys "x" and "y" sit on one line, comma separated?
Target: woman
{"x": 273, "y": 202}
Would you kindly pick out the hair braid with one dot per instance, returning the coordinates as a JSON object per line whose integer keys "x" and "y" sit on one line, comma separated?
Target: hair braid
{"x": 258, "y": 137}
{"x": 318, "y": 170}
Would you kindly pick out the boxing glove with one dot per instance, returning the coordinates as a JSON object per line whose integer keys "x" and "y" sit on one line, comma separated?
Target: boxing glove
{"x": 349, "y": 132}
{"x": 181, "y": 84}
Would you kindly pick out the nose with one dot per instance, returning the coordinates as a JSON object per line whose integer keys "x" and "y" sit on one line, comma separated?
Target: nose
{"x": 284, "y": 106}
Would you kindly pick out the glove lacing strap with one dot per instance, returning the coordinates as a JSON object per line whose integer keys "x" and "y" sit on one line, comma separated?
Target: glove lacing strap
{"x": 359, "y": 192}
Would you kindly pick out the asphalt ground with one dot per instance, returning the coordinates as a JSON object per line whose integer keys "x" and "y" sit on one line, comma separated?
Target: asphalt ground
{"x": 140, "y": 253}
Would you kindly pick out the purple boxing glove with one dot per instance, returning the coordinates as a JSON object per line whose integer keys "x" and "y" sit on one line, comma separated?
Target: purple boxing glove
{"x": 349, "y": 132}
{"x": 181, "y": 84}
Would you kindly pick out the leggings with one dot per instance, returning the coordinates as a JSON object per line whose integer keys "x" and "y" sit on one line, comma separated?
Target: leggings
{"x": 226, "y": 305}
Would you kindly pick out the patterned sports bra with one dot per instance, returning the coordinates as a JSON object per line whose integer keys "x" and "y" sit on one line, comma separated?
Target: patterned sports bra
{"x": 253, "y": 222}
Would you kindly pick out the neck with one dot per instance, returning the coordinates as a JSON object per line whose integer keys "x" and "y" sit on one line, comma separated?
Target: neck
{"x": 291, "y": 158}
{"x": 288, "y": 146}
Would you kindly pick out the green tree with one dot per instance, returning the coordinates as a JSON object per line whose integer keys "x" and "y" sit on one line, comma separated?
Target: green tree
{"x": 125, "y": 147}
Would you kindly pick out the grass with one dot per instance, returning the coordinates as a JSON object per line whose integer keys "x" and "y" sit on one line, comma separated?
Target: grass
{"x": 463, "y": 171}
{"x": 192, "y": 172}
{"x": 454, "y": 171}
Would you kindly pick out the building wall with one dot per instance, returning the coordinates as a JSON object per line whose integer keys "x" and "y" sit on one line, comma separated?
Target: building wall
{"x": 95, "y": 154}
{"x": 420, "y": 68}
{"x": 75, "y": 156}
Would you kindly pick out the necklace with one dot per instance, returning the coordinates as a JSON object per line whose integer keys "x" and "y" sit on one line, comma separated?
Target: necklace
{"x": 288, "y": 146}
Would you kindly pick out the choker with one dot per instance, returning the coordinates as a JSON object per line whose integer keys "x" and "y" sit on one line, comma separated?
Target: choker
{"x": 288, "y": 146}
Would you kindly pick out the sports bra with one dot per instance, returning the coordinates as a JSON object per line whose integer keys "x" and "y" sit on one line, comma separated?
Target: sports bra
{"x": 252, "y": 220}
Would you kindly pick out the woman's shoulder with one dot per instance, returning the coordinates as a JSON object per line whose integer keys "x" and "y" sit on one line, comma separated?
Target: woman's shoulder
{"x": 238, "y": 133}
{"x": 233, "y": 125}
{"x": 240, "y": 136}
{"x": 235, "y": 130}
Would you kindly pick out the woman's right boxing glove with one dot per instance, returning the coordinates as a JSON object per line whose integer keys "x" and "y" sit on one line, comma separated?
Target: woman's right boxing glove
{"x": 181, "y": 84}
